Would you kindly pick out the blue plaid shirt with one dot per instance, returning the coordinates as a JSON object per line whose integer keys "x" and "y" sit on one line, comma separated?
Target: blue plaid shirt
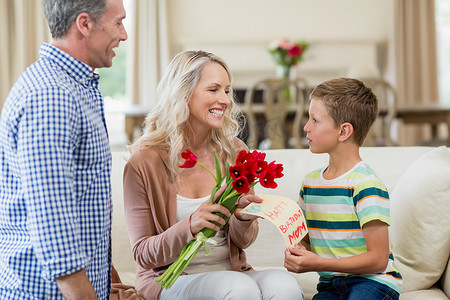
{"x": 55, "y": 165}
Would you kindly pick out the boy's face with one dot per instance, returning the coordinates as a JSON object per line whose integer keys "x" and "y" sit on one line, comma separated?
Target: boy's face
{"x": 321, "y": 131}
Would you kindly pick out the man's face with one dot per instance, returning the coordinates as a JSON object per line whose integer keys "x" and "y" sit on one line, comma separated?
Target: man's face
{"x": 106, "y": 35}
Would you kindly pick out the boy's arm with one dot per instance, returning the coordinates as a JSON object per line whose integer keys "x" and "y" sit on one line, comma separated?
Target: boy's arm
{"x": 375, "y": 260}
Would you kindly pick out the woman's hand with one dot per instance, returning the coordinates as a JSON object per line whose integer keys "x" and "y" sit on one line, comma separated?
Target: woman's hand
{"x": 204, "y": 215}
{"x": 243, "y": 201}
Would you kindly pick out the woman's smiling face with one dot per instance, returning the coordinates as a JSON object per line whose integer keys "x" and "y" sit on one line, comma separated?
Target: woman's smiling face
{"x": 210, "y": 98}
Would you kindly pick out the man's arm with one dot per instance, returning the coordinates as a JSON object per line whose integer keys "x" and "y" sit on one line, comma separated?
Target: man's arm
{"x": 76, "y": 286}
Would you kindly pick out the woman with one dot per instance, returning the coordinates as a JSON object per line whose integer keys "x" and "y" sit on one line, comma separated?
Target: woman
{"x": 166, "y": 206}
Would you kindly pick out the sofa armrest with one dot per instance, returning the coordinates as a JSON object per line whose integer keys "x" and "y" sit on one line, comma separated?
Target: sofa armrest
{"x": 444, "y": 282}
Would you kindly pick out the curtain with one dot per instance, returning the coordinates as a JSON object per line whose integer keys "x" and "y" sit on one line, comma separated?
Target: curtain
{"x": 149, "y": 51}
{"x": 415, "y": 56}
{"x": 23, "y": 28}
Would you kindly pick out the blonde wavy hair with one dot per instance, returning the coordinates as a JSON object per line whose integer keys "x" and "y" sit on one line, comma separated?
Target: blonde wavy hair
{"x": 166, "y": 125}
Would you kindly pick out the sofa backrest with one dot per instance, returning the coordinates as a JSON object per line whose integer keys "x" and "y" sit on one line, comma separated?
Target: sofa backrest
{"x": 388, "y": 162}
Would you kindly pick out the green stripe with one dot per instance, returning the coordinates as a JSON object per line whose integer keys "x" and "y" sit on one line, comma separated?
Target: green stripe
{"x": 345, "y": 225}
{"x": 374, "y": 210}
{"x": 397, "y": 275}
{"x": 346, "y": 251}
{"x": 312, "y": 191}
{"x": 368, "y": 183}
{"x": 321, "y": 216}
{"x": 356, "y": 175}
{"x": 358, "y": 242}
{"x": 370, "y": 192}
{"x": 372, "y": 217}
{"x": 314, "y": 174}
{"x": 331, "y": 199}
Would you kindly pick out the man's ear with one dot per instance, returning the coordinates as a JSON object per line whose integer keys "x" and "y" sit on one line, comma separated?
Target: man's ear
{"x": 84, "y": 24}
{"x": 346, "y": 131}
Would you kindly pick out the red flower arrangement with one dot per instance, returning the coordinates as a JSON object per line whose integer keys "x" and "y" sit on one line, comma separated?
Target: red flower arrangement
{"x": 250, "y": 168}
{"x": 286, "y": 53}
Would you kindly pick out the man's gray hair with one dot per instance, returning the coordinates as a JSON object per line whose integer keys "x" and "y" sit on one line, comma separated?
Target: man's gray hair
{"x": 61, "y": 14}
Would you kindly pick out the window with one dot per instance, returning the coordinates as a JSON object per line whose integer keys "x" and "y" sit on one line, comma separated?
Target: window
{"x": 443, "y": 48}
{"x": 113, "y": 84}
{"x": 113, "y": 79}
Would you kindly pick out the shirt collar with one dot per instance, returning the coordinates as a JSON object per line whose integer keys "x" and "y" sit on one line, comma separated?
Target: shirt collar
{"x": 75, "y": 68}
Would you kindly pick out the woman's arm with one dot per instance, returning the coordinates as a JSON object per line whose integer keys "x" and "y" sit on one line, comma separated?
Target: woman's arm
{"x": 375, "y": 260}
{"x": 155, "y": 241}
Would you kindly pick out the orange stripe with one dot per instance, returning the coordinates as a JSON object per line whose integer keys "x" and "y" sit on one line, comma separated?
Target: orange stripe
{"x": 331, "y": 187}
{"x": 393, "y": 276}
{"x": 375, "y": 196}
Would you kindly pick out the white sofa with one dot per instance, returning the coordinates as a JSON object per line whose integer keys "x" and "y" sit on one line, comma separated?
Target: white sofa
{"x": 418, "y": 179}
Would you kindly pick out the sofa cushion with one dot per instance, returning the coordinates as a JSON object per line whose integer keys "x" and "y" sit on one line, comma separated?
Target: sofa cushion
{"x": 420, "y": 210}
{"x": 433, "y": 293}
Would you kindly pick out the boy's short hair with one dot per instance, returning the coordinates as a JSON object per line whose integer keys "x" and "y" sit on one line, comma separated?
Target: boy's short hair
{"x": 349, "y": 100}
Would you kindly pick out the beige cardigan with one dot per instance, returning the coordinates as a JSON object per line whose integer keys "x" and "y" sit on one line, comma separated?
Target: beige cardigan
{"x": 150, "y": 209}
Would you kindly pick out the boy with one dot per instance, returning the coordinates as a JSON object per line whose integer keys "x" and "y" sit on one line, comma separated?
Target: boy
{"x": 346, "y": 205}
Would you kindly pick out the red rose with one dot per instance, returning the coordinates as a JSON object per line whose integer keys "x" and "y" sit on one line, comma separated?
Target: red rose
{"x": 261, "y": 166}
{"x": 241, "y": 185}
{"x": 248, "y": 170}
{"x": 244, "y": 157}
{"x": 191, "y": 159}
{"x": 276, "y": 169}
{"x": 258, "y": 155}
{"x": 267, "y": 179}
{"x": 295, "y": 51}
{"x": 237, "y": 171}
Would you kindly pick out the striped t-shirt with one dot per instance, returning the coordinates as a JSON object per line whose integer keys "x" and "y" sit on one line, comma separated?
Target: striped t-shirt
{"x": 336, "y": 211}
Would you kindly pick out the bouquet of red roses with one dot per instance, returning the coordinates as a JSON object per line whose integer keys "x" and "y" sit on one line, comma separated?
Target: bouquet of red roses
{"x": 250, "y": 168}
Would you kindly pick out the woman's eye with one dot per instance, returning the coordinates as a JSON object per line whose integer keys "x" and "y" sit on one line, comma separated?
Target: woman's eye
{"x": 227, "y": 91}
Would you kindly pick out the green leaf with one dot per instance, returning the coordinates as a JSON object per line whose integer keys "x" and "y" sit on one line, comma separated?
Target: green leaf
{"x": 214, "y": 190}
{"x": 227, "y": 190}
{"x": 218, "y": 170}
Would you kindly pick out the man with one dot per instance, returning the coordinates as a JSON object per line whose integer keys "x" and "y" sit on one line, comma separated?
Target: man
{"x": 55, "y": 161}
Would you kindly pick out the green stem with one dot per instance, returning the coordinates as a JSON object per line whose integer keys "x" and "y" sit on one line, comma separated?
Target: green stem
{"x": 174, "y": 265}
{"x": 185, "y": 264}
{"x": 179, "y": 265}
{"x": 207, "y": 169}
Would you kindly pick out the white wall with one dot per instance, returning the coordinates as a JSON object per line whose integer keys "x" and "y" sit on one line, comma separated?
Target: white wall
{"x": 239, "y": 31}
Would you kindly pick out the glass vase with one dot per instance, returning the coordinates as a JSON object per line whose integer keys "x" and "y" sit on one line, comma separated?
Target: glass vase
{"x": 284, "y": 72}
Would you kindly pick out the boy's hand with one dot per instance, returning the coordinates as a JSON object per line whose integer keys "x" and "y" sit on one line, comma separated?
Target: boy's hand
{"x": 299, "y": 260}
